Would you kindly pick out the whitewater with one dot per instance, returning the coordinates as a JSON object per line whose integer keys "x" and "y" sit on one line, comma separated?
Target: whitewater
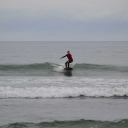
{"x": 54, "y": 87}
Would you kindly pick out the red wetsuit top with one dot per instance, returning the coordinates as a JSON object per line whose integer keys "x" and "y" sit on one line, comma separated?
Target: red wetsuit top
{"x": 69, "y": 56}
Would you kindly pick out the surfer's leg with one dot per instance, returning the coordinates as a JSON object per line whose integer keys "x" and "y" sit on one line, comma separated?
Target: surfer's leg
{"x": 69, "y": 61}
{"x": 66, "y": 64}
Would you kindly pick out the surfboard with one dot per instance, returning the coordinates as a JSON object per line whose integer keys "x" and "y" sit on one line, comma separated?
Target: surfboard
{"x": 68, "y": 69}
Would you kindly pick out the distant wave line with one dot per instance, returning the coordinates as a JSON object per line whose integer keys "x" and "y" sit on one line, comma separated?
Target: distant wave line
{"x": 72, "y": 123}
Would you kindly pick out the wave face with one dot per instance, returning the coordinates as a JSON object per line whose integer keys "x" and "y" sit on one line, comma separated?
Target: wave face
{"x": 101, "y": 67}
{"x": 72, "y": 124}
{"x": 26, "y": 69}
{"x": 50, "y": 69}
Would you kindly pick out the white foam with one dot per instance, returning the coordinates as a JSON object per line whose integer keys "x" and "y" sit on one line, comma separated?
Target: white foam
{"x": 48, "y": 87}
{"x": 57, "y": 92}
{"x": 58, "y": 68}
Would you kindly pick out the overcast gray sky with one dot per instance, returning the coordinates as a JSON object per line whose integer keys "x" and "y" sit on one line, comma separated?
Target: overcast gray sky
{"x": 63, "y": 20}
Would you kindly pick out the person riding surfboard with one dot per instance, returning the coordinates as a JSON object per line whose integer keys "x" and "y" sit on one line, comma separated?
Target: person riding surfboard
{"x": 70, "y": 59}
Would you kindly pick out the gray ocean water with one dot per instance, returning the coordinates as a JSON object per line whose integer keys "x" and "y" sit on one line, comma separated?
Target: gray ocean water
{"x": 36, "y": 91}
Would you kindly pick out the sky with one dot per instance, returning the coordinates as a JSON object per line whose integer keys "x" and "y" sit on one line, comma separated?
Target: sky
{"x": 63, "y": 20}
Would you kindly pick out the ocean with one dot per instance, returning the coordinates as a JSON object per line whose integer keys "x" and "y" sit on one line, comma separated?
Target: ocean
{"x": 36, "y": 91}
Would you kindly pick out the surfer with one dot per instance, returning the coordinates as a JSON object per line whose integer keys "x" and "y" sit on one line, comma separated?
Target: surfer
{"x": 70, "y": 59}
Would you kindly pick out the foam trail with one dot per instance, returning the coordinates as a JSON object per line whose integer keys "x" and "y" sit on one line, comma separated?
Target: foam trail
{"x": 58, "y": 67}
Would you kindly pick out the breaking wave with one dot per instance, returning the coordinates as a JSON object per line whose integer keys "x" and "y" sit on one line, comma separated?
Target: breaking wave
{"x": 49, "y": 68}
{"x": 62, "y": 88}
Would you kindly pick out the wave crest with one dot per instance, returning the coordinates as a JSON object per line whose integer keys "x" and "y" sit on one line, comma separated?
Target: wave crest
{"x": 85, "y": 66}
{"x": 50, "y": 68}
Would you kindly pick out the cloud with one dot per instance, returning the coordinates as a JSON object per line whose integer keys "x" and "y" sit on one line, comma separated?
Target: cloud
{"x": 76, "y": 9}
{"x": 63, "y": 20}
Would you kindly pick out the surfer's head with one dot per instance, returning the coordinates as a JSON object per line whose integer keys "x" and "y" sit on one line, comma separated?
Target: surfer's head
{"x": 68, "y": 52}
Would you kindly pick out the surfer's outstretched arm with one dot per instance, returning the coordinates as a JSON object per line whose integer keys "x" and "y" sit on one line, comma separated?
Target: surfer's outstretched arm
{"x": 63, "y": 57}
